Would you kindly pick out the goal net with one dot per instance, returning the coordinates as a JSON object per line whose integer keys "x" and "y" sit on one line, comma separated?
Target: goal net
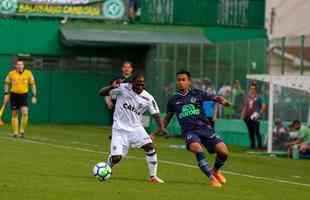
{"x": 288, "y": 100}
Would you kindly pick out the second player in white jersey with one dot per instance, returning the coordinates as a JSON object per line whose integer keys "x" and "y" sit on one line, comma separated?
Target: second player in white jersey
{"x": 131, "y": 106}
{"x": 128, "y": 131}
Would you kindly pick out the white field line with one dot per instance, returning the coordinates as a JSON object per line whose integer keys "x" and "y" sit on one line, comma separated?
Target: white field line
{"x": 161, "y": 161}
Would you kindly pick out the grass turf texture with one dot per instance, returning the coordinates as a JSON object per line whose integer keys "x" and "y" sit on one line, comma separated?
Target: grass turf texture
{"x": 55, "y": 162}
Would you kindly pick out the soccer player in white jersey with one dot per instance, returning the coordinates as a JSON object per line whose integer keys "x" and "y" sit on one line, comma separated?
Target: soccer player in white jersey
{"x": 127, "y": 130}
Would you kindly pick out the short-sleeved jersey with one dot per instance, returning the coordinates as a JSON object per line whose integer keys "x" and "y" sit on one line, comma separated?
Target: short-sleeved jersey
{"x": 253, "y": 104}
{"x": 20, "y": 81}
{"x": 189, "y": 111}
{"x": 130, "y": 107}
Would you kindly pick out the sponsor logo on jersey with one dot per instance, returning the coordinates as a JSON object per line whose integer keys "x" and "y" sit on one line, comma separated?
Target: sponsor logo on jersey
{"x": 189, "y": 137}
{"x": 131, "y": 108}
{"x": 193, "y": 100}
{"x": 189, "y": 110}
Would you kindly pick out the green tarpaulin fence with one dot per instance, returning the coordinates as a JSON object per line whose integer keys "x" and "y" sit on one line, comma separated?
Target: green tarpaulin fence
{"x": 237, "y": 13}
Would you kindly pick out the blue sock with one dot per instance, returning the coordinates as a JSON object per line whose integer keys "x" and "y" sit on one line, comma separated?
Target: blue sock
{"x": 203, "y": 164}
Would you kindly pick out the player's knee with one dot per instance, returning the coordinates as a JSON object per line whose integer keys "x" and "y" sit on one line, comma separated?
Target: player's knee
{"x": 148, "y": 147}
{"x": 195, "y": 147}
{"x": 222, "y": 149}
{"x": 115, "y": 159}
{"x": 225, "y": 152}
{"x": 24, "y": 111}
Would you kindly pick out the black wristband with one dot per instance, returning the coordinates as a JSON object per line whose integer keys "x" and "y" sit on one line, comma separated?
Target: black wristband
{"x": 6, "y": 93}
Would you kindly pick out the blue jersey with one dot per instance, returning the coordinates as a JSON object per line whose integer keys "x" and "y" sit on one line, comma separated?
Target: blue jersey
{"x": 189, "y": 111}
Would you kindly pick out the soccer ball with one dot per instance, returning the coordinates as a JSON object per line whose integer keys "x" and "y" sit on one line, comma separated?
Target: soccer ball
{"x": 102, "y": 171}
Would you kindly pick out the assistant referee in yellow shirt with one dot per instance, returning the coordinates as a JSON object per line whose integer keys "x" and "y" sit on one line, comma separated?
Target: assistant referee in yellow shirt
{"x": 16, "y": 88}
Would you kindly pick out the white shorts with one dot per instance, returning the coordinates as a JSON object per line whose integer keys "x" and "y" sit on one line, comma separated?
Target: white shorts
{"x": 122, "y": 140}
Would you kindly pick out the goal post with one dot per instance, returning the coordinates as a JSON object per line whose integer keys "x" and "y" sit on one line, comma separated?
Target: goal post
{"x": 282, "y": 90}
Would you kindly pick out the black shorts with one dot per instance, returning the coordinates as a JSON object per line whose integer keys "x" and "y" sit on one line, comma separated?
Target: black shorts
{"x": 18, "y": 100}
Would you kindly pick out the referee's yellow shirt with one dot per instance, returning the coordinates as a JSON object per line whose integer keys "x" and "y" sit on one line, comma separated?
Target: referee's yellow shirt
{"x": 20, "y": 81}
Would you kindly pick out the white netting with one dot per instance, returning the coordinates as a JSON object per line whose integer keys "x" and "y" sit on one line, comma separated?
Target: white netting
{"x": 288, "y": 99}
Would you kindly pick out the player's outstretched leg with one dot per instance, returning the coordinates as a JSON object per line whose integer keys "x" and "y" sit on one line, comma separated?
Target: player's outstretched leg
{"x": 221, "y": 157}
{"x": 197, "y": 149}
{"x": 152, "y": 163}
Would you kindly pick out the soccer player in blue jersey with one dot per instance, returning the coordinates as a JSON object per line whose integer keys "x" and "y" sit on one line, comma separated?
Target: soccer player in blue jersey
{"x": 187, "y": 105}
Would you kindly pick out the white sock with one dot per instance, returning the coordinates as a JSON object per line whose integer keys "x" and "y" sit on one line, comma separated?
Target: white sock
{"x": 152, "y": 163}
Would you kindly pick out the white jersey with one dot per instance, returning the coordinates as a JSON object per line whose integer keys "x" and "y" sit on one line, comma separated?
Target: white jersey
{"x": 130, "y": 107}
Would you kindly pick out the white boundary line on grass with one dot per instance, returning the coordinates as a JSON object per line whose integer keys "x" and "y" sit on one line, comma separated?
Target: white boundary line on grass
{"x": 161, "y": 161}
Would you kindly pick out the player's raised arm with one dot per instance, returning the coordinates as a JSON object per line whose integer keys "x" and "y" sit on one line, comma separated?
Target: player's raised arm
{"x": 106, "y": 91}
{"x": 218, "y": 99}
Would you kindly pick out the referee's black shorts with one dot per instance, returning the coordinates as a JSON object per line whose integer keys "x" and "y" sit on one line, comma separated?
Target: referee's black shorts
{"x": 18, "y": 100}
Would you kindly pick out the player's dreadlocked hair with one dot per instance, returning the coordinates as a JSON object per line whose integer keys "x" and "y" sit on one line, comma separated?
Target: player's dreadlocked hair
{"x": 187, "y": 73}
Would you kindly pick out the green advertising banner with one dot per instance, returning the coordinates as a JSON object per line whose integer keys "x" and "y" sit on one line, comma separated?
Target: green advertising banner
{"x": 102, "y": 9}
{"x": 60, "y": 2}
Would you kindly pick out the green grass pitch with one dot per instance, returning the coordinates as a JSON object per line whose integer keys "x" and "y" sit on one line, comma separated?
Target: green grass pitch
{"x": 55, "y": 163}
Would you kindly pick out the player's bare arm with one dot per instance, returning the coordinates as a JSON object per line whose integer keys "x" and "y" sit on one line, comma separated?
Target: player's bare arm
{"x": 222, "y": 100}
{"x": 263, "y": 109}
{"x": 167, "y": 119}
{"x": 160, "y": 124}
{"x": 289, "y": 144}
{"x": 34, "y": 93}
{"x": 6, "y": 93}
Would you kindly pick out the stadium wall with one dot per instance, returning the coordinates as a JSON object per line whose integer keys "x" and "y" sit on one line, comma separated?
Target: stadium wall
{"x": 71, "y": 96}
{"x": 64, "y": 96}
